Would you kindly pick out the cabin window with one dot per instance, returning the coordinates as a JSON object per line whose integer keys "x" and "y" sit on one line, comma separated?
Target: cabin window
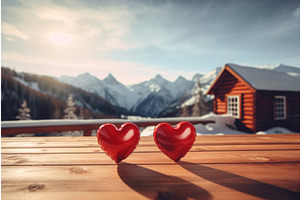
{"x": 233, "y": 106}
{"x": 280, "y": 107}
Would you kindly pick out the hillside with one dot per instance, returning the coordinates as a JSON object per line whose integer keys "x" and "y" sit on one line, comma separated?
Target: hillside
{"x": 46, "y": 98}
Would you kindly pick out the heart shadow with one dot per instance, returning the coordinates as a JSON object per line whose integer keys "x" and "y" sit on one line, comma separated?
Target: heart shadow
{"x": 155, "y": 185}
{"x": 239, "y": 183}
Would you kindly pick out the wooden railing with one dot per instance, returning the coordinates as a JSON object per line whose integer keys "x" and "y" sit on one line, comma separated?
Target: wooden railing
{"x": 50, "y": 126}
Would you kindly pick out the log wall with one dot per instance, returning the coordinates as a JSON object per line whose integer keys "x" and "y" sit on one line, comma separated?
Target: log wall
{"x": 265, "y": 110}
{"x": 232, "y": 86}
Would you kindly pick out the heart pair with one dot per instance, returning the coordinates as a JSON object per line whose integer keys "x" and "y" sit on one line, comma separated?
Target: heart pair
{"x": 118, "y": 144}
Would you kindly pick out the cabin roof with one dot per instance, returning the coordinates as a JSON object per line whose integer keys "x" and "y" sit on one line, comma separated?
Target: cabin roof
{"x": 262, "y": 79}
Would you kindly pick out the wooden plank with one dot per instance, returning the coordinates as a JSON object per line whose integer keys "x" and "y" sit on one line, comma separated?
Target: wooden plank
{"x": 249, "y": 104}
{"x": 248, "y": 112}
{"x": 128, "y": 180}
{"x": 151, "y": 148}
{"x": 36, "y": 142}
{"x": 224, "y": 92}
{"x": 217, "y": 167}
{"x": 250, "y": 96}
{"x": 248, "y": 117}
{"x": 156, "y": 158}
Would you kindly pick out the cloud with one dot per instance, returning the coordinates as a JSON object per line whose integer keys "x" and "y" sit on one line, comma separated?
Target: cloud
{"x": 10, "y": 30}
{"x": 149, "y": 37}
{"x": 127, "y": 73}
{"x": 57, "y": 14}
{"x": 296, "y": 13}
{"x": 101, "y": 28}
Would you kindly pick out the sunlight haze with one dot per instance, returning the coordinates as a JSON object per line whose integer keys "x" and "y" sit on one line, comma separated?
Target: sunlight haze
{"x": 136, "y": 40}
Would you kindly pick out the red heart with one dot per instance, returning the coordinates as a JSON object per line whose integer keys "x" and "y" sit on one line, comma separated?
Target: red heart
{"x": 118, "y": 144}
{"x": 175, "y": 142}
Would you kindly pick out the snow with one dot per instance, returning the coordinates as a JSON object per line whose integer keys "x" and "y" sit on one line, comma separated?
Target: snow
{"x": 196, "y": 77}
{"x": 32, "y": 85}
{"x": 275, "y": 130}
{"x": 189, "y": 102}
{"x": 160, "y": 93}
{"x": 209, "y": 78}
{"x": 294, "y": 74}
{"x": 224, "y": 125}
{"x": 267, "y": 66}
{"x": 205, "y": 81}
{"x": 287, "y": 69}
{"x": 148, "y": 131}
{"x": 130, "y": 97}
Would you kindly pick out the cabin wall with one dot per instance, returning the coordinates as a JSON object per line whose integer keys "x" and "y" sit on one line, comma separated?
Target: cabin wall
{"x": 233, "y": 86}
{"x": 248, "y": 109}
{"x": 265, "y": 110}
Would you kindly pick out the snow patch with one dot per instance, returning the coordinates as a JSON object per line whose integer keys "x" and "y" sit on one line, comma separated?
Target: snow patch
{"x": 32, "y": 85}
{"x": 224, "y": 125}
{"x": 148, "y": 131}
{"x": 275, "y": 130}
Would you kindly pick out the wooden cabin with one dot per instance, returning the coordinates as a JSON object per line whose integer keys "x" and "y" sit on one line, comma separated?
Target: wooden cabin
{"x": 259, "y": 98}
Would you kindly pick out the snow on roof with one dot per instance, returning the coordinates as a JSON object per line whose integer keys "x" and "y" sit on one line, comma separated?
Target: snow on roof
{"x": 264, "y": 79}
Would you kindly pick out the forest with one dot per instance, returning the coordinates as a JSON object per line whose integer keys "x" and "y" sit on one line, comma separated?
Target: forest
{"x": 51, "y": 99}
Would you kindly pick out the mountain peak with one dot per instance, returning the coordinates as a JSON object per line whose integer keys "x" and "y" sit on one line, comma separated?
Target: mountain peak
{"x": 159, "y": 77}
{"x": 86, "y": 78}
{"x": 86, "y": 74}
{"x": 180, "y": 79}
{"x": 159, "y": 80}
{"x": 287, "y": 69}
{"x": 110, "y": 79}
{"x": 197, "y": 77}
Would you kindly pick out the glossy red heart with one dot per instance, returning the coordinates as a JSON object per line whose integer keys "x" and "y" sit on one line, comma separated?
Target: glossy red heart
{"x": 175, "y": 142}
{"x": 118, "y": 144}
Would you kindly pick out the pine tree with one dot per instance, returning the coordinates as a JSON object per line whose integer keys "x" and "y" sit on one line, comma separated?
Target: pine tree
{"x": 81, "y": 113}
{"x": 185, "y": 112}
{"x": 196, "y": 111}
{"x": 57, "y": 112}
{"x": 200, "y": 107}
{"x": 70, "y": 110}
{"x": 24, "y": 112}
{"x": 70, "y": 114}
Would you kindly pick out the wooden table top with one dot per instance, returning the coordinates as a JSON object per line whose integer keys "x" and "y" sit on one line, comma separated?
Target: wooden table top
{"x": 217, "y": 167}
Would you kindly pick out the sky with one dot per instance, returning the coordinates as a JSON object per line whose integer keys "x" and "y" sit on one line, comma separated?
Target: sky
{"x": 135, "y": 40}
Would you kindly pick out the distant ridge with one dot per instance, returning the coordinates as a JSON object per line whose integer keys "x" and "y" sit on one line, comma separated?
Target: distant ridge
{"x": 109, "y": 97}
{"x": 46, "y": 97}
{"x": 151, "y": 97}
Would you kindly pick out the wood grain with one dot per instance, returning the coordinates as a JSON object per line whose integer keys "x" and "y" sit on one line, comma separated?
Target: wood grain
{"x": 217, "y": 167}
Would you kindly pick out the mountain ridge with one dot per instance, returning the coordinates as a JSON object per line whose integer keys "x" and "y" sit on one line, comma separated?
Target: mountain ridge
{"x": 46, "y": 97}
{"x": 132, "y": 97}
{"x": 152, "y": 96}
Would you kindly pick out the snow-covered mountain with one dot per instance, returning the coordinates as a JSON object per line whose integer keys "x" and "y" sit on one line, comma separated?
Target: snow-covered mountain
{"x": 151, "y": 97}
{"x": 108, "y": 88}
{"x": 294, "y": 71}
{"x": 46, "y": 97}
{"x": 288, "y": 69}
{"x": 205, "y": 82}
{"x": 147, "y": 98}
{"x": 157, "y": 93}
